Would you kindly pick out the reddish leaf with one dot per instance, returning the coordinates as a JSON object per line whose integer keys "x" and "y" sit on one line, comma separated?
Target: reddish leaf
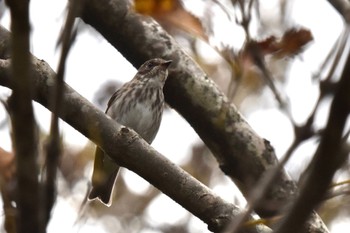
{"x": 171, "y": 15}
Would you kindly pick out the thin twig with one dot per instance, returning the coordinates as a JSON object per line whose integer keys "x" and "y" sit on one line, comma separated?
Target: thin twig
{"x": 223, "y": 8}
{"x": 343, "y": 7}
{"x": 260, "y": 190}
{"x": 316, "y": 183}
{"x": 53, "y": 148}
{"x": 335, "y": 52}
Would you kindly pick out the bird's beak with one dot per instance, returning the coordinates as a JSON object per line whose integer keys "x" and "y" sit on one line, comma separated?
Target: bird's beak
{"x": 166, "y": 64}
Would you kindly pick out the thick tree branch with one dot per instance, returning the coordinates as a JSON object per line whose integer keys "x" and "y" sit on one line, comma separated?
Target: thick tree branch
{"x": 241, "y": 153}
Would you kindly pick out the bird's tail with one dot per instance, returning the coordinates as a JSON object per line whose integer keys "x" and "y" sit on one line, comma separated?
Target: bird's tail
{"x": 103, "y": 178}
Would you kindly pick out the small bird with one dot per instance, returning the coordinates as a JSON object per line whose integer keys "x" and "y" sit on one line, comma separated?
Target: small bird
{"x": 138, "y": 104}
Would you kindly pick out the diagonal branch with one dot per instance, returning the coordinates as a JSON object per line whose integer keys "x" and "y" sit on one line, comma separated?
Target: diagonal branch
{"x": 126, "y": 147}
{"x": 131, "y": 151}
{"x": 241, "y": 153}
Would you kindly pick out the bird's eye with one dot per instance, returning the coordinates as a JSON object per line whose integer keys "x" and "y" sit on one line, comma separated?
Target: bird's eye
{"x": 150, "y": 65}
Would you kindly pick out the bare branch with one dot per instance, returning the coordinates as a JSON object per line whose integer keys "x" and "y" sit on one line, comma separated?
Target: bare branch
{"x": 343, "y": 7}
{"x": 53, "y": 147}
{"x": 131, "y": 151}
{"x": 241, "y": 153}
{"x": 23, "y": 122}
{"x": 328, "y": 158}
